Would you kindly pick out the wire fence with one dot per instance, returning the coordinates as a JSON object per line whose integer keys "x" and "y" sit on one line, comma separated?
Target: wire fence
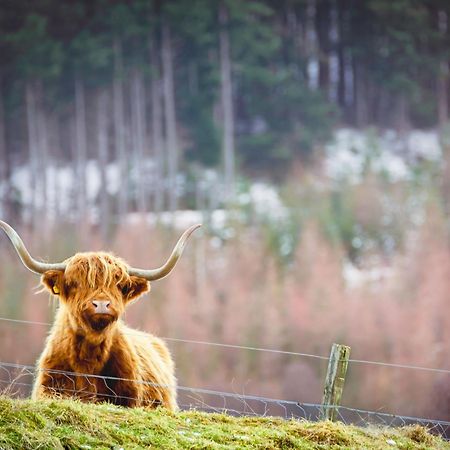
{"x": 17, "y": 380}
{"x": 266, "y": 350}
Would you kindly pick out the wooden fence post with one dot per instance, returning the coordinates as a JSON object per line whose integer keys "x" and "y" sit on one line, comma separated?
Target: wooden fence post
{"x": 334, "y": 381}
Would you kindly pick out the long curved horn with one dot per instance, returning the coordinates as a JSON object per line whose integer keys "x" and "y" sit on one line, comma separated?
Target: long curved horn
{"x": 161, "y": 272}
{"x": 28, "y": 261}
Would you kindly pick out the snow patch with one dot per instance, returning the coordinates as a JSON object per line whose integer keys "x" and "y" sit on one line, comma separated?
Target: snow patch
{"x": 265, "y": 202}
{"x": 353, "y": 153}
{"x": 356, "y": 278}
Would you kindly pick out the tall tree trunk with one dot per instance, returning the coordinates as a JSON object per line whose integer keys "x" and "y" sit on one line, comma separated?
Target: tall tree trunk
{"x": 54, "y": 159}
{"x": 169, "y": 115}
{"x": 341, "y": 90}
{"x": 139, "y": 137}
{"x": 33, "y": 149}
{"x": 102, "y": 143}
{"x": 402, "y": 120}
{"x": 383, "y": 108}
{"x": 443, "y": 75}
{"x": 227, "y": 102}
{"x": 311, "y": 44}
{"x": 361, "y": 111}
{"x": 323, "y": 8}
{"x": 157, "y": 127}
{"x": 81, "y": 156}
{"x": 442, "y": 93}
{"x": 42, "y": 160}
{"x": 4, "y": 163}
{"x": 119, "y": 131}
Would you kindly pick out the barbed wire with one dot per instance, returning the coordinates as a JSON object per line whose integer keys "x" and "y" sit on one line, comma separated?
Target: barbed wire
{"x": 267, "y": 350}
{"x": 13, "y": 376}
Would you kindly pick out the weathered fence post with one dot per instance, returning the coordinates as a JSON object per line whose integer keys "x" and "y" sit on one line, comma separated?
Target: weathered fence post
{"x": 334, "y": 381}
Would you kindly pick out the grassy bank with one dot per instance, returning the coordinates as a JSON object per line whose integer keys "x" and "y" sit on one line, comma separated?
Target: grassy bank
{"x": 25, "y": 424}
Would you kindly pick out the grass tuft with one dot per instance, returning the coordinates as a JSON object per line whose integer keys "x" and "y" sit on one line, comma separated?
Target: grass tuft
{"x": 69, "y": 424}
{"x": 419, "y": 434}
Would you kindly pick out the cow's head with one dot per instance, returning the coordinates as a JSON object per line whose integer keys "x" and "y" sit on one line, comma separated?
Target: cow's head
{"x": 94, "y": 288}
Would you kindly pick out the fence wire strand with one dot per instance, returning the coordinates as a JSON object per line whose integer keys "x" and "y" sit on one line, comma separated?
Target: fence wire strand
{"x": 267, "y": 350}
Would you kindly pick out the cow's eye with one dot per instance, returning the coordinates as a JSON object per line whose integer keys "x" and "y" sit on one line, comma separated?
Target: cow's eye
{"x": 70, "y": 286}
{"x": 125, "y": 289}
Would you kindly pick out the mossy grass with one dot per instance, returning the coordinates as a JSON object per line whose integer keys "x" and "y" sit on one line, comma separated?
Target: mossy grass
{"x": 67, "y": 424}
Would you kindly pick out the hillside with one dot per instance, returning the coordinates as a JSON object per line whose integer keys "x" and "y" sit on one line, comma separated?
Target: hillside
{"x": 25, "y": 424}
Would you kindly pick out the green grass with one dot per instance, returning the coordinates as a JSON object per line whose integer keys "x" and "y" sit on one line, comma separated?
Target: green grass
{"x": 66, "y": 424}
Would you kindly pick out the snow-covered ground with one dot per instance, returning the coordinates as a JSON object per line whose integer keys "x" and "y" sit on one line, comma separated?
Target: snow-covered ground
{"x": 348, "y": 156}
{"x": 355, "y": 277}
{"x": 352, "y": 152}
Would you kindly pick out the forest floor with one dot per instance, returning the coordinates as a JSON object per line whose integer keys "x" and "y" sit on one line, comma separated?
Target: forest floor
{"x": 67, "y": 424}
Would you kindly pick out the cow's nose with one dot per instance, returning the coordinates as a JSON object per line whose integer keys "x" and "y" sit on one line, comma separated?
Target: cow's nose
{"x": 101, "y": 306}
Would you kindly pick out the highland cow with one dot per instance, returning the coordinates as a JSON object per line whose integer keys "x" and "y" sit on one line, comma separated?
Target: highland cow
{"x": 90, "y": 353}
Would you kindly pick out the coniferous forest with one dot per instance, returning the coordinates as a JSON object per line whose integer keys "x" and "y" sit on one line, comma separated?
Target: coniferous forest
{"x": 254, "y": 85}
{"x": 311, "y": 138}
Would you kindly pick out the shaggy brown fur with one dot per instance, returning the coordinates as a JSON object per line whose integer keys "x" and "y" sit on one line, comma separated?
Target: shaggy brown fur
{"x": 87, "y": 342}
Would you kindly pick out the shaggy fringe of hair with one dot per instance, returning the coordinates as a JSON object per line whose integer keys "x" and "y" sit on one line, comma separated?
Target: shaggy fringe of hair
{"x": 98, "y": 269}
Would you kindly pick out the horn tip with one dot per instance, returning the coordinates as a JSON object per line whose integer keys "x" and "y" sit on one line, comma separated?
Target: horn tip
{"x": 195, "y": 227}
{"x": 192, "y": 228}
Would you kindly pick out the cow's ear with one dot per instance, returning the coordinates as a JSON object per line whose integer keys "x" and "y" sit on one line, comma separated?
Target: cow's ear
{"x": 134, "y": 288}
{"x": 53, "y": 280}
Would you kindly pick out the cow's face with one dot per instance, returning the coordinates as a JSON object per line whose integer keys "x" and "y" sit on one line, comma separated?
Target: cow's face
{"x": 95, "y": 288}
